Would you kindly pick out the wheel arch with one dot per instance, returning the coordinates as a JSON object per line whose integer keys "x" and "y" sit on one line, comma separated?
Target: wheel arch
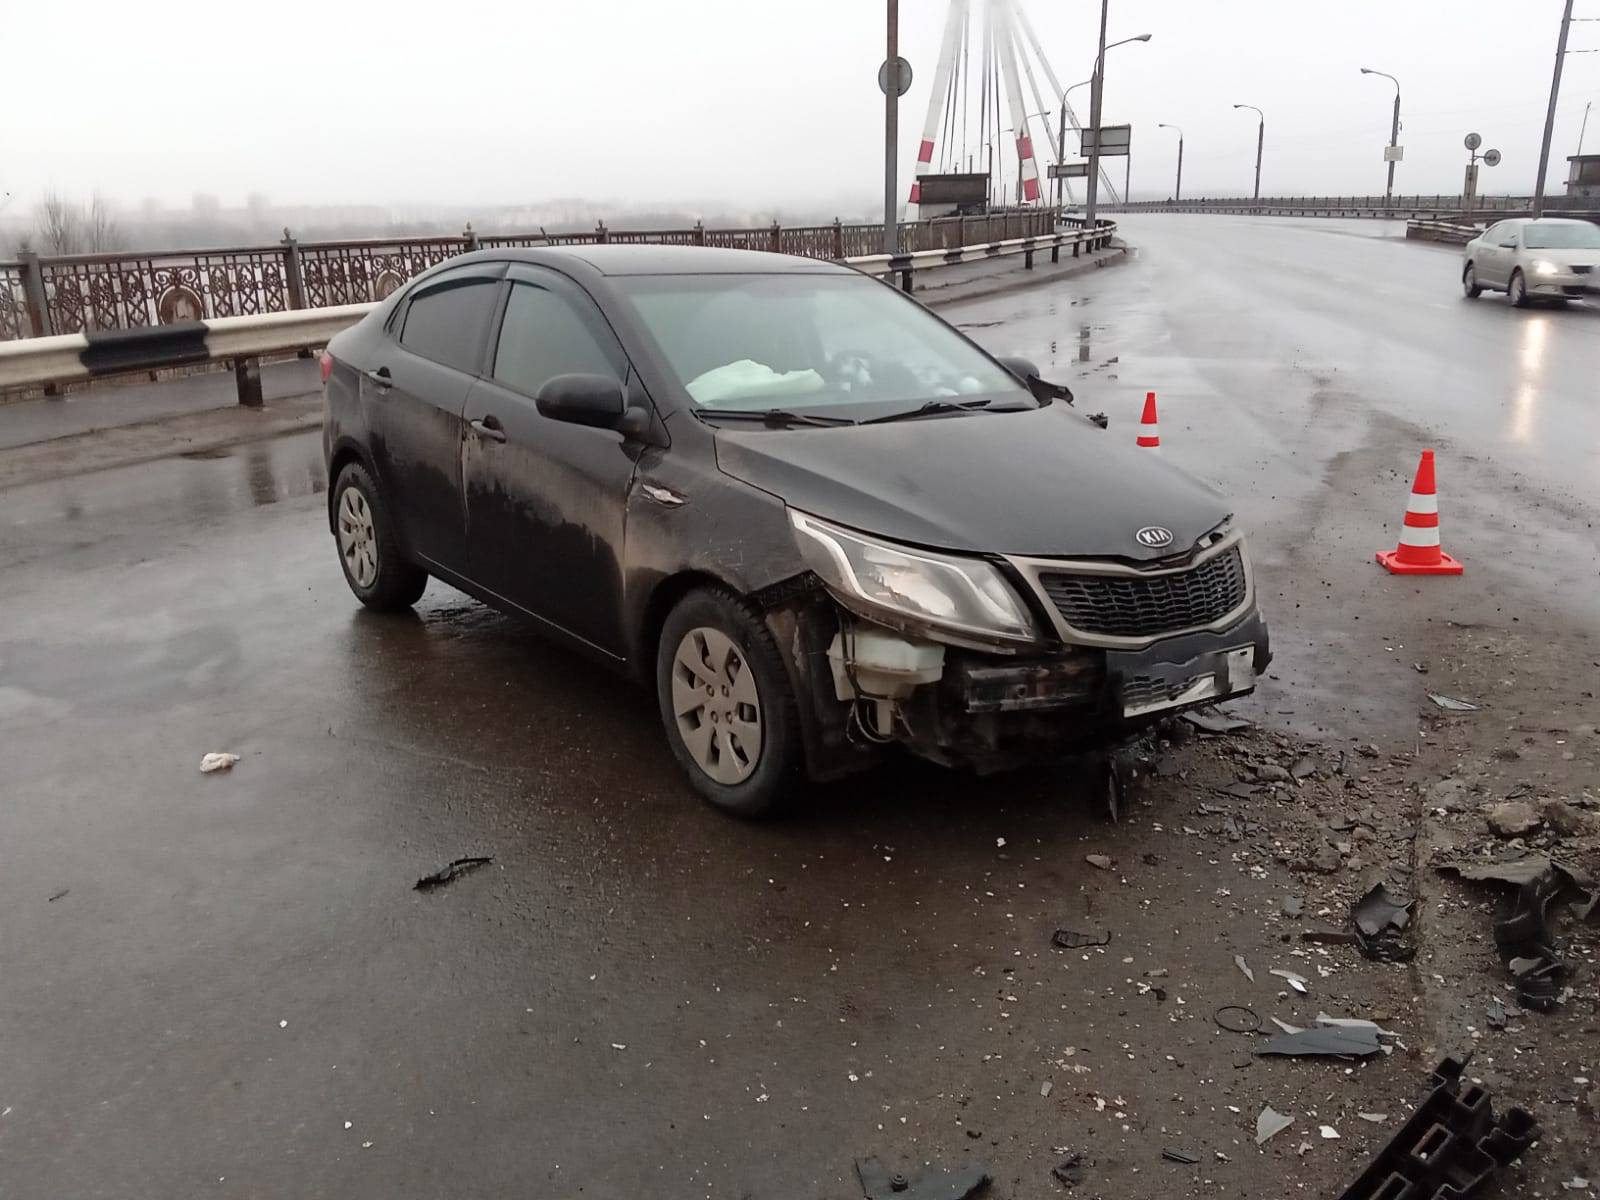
{"x": 663, "y": 598}
{"x": 347, "y": 451}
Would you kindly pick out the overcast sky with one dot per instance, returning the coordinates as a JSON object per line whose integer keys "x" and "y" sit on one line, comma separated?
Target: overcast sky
{"x": 730, "y": 103}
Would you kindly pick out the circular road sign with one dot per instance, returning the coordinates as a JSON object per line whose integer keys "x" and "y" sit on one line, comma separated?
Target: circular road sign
{"x": 899, "y": 71}
{"x": 1492, "y": 157}
{"x": 1473, "y": 141}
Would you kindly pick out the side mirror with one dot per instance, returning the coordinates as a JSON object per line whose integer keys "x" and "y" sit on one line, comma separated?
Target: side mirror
{"x": 594, "y": 400}
{"x": 1022, "y": 368}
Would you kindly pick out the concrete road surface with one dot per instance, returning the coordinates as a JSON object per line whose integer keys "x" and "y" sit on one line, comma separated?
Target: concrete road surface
{"x": 226, "y": 985}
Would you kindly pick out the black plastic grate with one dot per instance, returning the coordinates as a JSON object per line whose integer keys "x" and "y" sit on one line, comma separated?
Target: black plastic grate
{"x": 1130, "y": 606}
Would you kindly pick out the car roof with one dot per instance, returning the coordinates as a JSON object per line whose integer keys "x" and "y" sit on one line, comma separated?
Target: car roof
{"x": 656, "y": 259}
{"x": 1548, "y": 221}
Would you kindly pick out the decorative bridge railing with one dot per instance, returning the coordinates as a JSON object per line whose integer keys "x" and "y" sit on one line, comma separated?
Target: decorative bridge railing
{"x": 43, "y": 295}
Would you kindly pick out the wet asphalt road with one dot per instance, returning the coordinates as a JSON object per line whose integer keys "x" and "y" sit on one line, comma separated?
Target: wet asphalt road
{"x": 640, "y": 997}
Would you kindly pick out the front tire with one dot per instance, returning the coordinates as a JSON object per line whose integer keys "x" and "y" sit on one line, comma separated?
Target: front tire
{"x": 376, "y": 571}
{"x": 727, "y": 704}
{"x": 1469, "y": 282}
{"x": 1517, "y": 290}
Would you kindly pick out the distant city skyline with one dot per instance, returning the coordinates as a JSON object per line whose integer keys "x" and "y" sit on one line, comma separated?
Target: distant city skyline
{"x": 723, "y": 105}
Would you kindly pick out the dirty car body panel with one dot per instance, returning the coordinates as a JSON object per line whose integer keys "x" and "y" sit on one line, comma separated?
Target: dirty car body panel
{"x": 946, "y": 560}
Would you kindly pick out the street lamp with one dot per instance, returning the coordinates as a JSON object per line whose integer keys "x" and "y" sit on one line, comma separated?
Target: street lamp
{"x": 1261, "y": 137}
{"x": 1061, "y": 134}
{"x": 1177, "y": 188}
{"x": 1550, "y": 113}
{"x": 1095, "y": 92}
{"x": 1394, "y": 136}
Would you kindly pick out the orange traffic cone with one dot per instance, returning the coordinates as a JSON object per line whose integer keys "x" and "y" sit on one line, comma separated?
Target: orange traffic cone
{"x": 1149, "y": 430}
{"x": 1418, "y": 552}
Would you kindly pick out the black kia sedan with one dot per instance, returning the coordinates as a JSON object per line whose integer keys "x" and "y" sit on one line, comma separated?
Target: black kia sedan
{"x": 818, "y": 520}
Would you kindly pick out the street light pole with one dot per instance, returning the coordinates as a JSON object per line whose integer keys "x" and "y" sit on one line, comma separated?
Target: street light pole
{"x": 1095, "y": 85}
{"x": 1550, "y": 113}
{"x": 1394, "y": 135}
{"x": 1061, "y": 137}
{"x": 1261, "y": 137}
{"x": 1177, "y": 189}
{"x": 891, "y": 137}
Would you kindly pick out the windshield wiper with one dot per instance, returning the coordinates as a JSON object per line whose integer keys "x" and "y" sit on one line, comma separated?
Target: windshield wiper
{"x": 775, "y": 417}
{"x": 931, "y": 408}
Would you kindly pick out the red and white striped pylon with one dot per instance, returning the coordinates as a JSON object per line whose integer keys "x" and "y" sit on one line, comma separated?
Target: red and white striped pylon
{"x": 1149, "y": 428}
{"x": 1418, "y": 552}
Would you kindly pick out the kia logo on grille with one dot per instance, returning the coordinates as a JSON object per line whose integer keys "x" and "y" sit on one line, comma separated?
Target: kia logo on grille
{"x": 1154, "y": 537}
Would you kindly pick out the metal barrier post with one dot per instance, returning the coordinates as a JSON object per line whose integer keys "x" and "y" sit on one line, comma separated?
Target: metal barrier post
{"x": 1027, "y": 259}
{"x": 471, "y": 238}
{"x": 33, "y": 295}
{"x": 700, "y": 233}
{"x": 1055, "y": 251}
{"x": 776, "y": 235}
{"x": 247, "y": 375}
{"x": 294, "y": 278}
{"x": 838, "y": 239}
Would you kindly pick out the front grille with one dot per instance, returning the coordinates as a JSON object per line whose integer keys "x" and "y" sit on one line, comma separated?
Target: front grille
{"x": 1143, "y": 691}
{"x": 1131, "y": 606}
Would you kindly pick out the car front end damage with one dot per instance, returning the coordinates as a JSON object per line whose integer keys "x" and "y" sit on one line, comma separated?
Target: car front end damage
{"x": 988, "y": 663}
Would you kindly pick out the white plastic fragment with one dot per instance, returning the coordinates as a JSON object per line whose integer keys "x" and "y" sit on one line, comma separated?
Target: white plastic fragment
{"x": 1297, "y": 982}
{"x": 1375, "y": 1118}
{"x": 1045, "y": 1088}
{"x": 217, "y": 760}
{"x": 1329, "y": 1133}
{"x": 1270, "y": 1124}
{"x": 1238, "y": 961}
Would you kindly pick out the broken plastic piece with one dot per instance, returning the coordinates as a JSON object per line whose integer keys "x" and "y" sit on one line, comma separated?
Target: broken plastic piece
{"x": 1449, "y": 1146}
{"x": 1380, "y": 919}
{"x": 1212, "y": 720}
{"x": 1496, "y": 1015}
{"x": 1270, "y": 1124}
{"x": 217, "y": 761}
{"x": 1071, "y": 939}
{"x": 1238, "y": 961}
{"x": 1451, "y": 704}
{"x": 935, "y": 1183}
{"x": 1172, "y": 1154}
{"x": 1070, "y": 1169}
{"x": 1297, "y": 982}
{"x": 449, "y": 874}
{"x": 1326, "y": 1040}
{"x": 1518, "y": 871}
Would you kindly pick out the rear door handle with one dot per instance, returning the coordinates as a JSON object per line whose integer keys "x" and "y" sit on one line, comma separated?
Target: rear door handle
{"x": 380, "y": 377}
{"x": 489, "y": 427}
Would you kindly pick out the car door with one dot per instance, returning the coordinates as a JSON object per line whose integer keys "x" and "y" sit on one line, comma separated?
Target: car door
{"x": 1503, "y": 252}
{"x": 414, "y": 391}
{"x": 545, "y": 499}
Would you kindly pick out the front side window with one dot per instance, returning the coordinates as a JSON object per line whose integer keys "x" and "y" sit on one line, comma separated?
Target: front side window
{"x": 543, "y": 336}
{"x": 809, "y": 341}
{"x": 447, "y": 323}
{"x": 1508, "y": 235}
{"x": 1577, "y": 235}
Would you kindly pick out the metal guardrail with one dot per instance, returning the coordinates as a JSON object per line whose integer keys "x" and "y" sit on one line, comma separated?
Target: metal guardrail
{"x": 1374, "y": 207}
{"x": 67, "y": 358}
{"x": 1452, "y": 232}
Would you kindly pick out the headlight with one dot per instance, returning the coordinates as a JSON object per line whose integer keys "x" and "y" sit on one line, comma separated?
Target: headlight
{"x": 960, "y": 595}
{"x": 1546, "y": 268}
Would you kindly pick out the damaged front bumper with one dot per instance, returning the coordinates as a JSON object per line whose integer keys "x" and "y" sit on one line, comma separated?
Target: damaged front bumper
{"x": 989, "y": 711}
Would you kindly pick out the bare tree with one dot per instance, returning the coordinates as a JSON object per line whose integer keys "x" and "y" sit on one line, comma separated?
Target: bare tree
{"x": 100, "y": 232}
{"x": 60, "y": 225}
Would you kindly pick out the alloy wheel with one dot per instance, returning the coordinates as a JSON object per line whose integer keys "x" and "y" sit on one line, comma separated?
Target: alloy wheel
{"x": 357, "y": 541}
{"x": 716, "y": 705}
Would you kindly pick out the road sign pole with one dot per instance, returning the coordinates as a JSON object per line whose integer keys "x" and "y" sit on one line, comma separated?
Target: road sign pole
{"x": 1094, "y": 116}
{"x": 891, "y": 137}
{"x": 1394, "y": 140}
{"x": 1550, "y": 113}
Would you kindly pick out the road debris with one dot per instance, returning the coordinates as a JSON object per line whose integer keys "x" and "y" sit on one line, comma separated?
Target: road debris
{"x": 1297, "y": 982}
{"x": 933, "y": 1183}
{"x": 1512, "y": 818}
{"x": 1495, "y": 1015}
{"x": 1071, "y": 939}
{"x": 1451, "y": 704}
{"x": 1271, "y": 1123}
{"x": 1329, "y": 1133}
{"x": 447, "y": 875}
{"x": 1380, "y": 921}
{"x": 1045, "y": 1088}
{"x": 1070, "y": 1169}
{"x": 1375, "y": 1118}
{"x": 1214, "y": 721}
{"x": 1518, "y": 871}
{"x": 1292, "y": 906}
{"x": 1236, "y": 1018}
{"x": 1330, "y": 1041}
{"x": 1173, "y": 1154}
{"x": 1449, "y": 1146}
{"x": 1238, "y": 961}
{"x": 217, "y": 760}
{"x": 1101, "y": 861}
{"x": 1576, "y": 1184}
{"x": 57, "y": 896}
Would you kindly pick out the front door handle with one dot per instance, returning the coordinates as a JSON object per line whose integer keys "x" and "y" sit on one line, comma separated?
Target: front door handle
{"x": 380, "y": 377}
{"x": 489, "y": 427}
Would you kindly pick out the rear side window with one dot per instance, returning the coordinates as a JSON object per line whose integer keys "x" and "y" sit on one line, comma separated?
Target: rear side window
{"x": 446, "y": 323}
{"x": 544, "y": 335}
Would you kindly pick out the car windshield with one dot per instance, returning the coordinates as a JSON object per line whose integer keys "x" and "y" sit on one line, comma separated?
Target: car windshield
{"x": 1564, "y": 235}
{"x": 808, "y": 341}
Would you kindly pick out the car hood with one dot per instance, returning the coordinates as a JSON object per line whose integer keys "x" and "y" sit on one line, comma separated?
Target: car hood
{"x": 1043, "y": 483}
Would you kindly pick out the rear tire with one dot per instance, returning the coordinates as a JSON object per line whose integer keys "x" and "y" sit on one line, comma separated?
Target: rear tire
{"x": 1469, "y": 282}
{"x": 1517, "y": 290}
{"x": 727, "y": 705}
{"x": 376, "y": 571}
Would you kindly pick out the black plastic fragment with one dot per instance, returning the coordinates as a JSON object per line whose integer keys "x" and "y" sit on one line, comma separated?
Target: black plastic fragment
{"x": 1071, "y": 939}
{"x": 1449, "y": 1147}
{"x": 447, "y": 875}
{"x": 1381, "y": 921}
{"x": 935, "y": 1183}
{"x": 1173, "y": 1154}
{"x": 1070, "y": 1169}
{"x": 1522, "y": 935}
